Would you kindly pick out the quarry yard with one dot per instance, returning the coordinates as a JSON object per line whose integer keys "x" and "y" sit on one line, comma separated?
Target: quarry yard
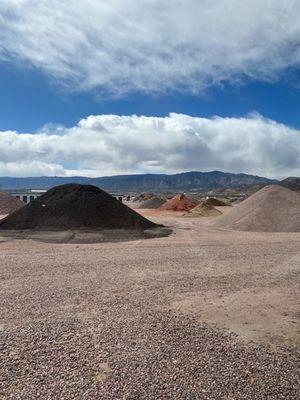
{"x": 204, "y": 313}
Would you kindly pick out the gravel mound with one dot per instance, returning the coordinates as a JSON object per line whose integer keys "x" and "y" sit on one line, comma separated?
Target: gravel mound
{"x": 74, "y": 206}
{"x": 180, "y": 202}
{"x": 143, "y": 197}
{"x": 153, "y": 203}
{"x": 203, "y": 210}
{"x": 271, "y": 209}
{"x": 217, "y": 202}
{"x": 9, "y": 204}
{"x": 292, "y": 183}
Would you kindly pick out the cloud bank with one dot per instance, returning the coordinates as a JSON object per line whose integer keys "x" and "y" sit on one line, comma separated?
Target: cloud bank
{"x": 109, "y": 144}
{"x": 120, "y": 46}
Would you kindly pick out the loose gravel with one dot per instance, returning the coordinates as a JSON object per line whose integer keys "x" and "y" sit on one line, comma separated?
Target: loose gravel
{"x": 94, "y": 321}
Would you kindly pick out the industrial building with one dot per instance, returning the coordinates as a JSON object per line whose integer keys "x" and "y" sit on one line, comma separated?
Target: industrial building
{"x": 27, "y": 195}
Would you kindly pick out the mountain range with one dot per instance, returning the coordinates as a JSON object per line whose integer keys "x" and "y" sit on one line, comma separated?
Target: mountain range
{"x": 159, "y": 183}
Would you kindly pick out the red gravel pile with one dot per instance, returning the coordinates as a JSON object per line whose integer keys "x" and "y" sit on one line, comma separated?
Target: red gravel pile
{"x": 74, "y": 206}
{"x": 271, "y": 209}
{"x": 180, "y": 202}
{"x": 9, "y": 204}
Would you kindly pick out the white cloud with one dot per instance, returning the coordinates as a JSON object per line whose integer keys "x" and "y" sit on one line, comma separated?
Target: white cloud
{"x": 121, "y": 46}
{"x": 110, "y": 144}
{"x": 30, "y": 168}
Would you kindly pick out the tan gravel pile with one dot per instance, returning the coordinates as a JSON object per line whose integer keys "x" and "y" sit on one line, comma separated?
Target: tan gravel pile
{"x": 9, "y": 204}
{"x": 143, "y": 197}
{"x": 180, "y": 202}
{"x": 271, "y": 209}
{"x": 292, "y": 183}
{"x": 217, "y": 202}
{"x": 203, "y": 210}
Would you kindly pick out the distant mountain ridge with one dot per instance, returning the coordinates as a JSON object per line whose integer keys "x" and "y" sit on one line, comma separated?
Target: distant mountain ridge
{"x": 185, "y": 181}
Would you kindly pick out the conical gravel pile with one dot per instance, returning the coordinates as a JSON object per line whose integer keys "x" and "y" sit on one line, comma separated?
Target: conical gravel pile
{"x": 9, "y": 204}
{"x": 271, "y": 209}
{"x": 217, "y": 202}
{"x": 74, "y": 206}
{"x": 153, "y": 203}
{"x": 180, "y": 202}
{"x": 203, "y": 210}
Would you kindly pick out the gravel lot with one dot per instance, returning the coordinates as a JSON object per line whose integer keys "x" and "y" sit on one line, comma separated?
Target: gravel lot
{"x": 201, "y": 314}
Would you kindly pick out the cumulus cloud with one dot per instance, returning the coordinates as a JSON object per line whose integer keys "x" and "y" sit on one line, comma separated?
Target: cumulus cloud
{"x": 120, "y": 46}
{"x": 109, "y": 144}
{"x": 30, "y": 168}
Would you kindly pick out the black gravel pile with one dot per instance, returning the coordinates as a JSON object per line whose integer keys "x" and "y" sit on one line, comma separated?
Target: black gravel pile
{"x": 75, "y": 206}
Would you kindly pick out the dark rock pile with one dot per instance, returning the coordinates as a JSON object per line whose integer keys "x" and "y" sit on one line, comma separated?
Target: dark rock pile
{"x": 74, "y": 206}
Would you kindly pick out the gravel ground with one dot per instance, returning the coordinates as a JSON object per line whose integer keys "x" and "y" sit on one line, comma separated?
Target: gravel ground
{"x": 98, "y": 321}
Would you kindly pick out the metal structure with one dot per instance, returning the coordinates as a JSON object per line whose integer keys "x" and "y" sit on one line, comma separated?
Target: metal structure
{"x": 28, "y": 195}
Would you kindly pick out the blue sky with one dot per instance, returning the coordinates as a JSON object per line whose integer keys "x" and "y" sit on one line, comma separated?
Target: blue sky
{"x": 29, "y": 101}
{"x": 213, "y": 86}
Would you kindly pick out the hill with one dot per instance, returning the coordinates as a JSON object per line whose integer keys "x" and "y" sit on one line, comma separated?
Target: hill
{"x": 157, "y": 183}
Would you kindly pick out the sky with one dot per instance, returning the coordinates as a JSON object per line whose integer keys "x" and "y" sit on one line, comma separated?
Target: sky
{"x": 100, "y": 88}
